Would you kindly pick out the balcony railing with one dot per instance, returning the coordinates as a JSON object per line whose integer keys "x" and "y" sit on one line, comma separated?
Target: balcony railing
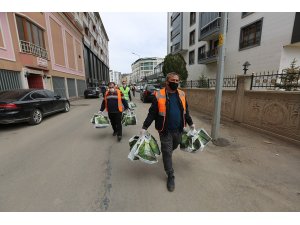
{"x": 30, "y": 48}
{"x": 208, "y": 57}
{"x": 210, "y": 29}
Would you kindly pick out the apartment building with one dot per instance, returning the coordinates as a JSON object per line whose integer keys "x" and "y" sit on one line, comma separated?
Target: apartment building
{"x": 41, "y": 50}
{"x": 96, "y": 54}
{"x": 127, "y": 78}
{"x": 144, "y": 67}
{"x": 115, "y": 76}
{"x": 268, "y": 41}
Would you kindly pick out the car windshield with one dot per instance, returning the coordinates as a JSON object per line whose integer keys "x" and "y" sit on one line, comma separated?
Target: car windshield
{"x": 13, "y": 95}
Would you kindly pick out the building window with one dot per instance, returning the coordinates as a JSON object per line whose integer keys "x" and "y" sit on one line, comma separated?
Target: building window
{"x": 191, "y": 57}
{"x": 175, "y": 47}
{"x": 192, "y": 37}
{"x": 201, "y": 53}
{"x": 192, "y": 18}
{"x": 244, "y": 14}
{"x": 29, "y": 32}
{"x": 251, "y": 35}
{"x": 86, "y": 31}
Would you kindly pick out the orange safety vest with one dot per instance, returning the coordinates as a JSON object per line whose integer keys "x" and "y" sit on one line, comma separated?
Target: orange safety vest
{"x": 161, "y": 101}
{"x": 113, "y": 96}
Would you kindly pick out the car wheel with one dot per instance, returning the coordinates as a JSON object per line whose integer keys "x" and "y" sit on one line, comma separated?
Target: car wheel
{"x": 67, "y": 107}
{"x": 36, "y": 117}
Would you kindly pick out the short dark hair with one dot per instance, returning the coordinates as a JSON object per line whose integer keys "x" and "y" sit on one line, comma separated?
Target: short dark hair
{"x": 171, "y": 74}
{"x": 111, "y": 83}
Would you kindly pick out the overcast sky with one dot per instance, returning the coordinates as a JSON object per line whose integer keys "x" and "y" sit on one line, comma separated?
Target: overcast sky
{"x": 142, "y": 33}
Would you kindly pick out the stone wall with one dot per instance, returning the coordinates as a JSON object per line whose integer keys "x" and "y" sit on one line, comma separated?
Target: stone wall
{"x": 272, "y": 112}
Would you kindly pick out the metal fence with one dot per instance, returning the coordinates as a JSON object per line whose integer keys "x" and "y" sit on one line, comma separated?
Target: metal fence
{"x": 228, "y": 82}
{"x": 273, "y": 81}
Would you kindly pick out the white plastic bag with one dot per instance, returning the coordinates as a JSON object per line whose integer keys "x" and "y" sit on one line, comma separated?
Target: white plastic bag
{"x": 129, "y": 118}
{"x": 144, "y": 148}
{"x": 131, "y": 105}
{"x": 101, "y": 121}
{"x": 94, "y": 116}
{"x": 194, "y": 140}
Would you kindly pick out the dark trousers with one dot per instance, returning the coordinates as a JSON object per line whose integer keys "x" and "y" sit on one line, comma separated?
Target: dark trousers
{"x": 169, "y": 142}
{"x": 115, "y": 120}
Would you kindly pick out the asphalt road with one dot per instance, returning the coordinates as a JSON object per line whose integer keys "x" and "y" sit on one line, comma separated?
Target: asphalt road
{"x": 64, "y": 164}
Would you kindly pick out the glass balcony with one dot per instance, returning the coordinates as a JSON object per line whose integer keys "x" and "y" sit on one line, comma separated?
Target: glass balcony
{"x": 211, "y": 30}
{"x": 208, "y": 57}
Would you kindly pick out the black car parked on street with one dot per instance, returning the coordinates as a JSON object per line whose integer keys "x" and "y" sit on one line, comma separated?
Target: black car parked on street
{"x": 92, "y": 92}
{"x": 30, "y": 105}
{"x": 147, "y": 93}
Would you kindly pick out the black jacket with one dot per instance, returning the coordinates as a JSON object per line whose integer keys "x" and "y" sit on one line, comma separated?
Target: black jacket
{"x": 153, "y": 115}
{"x": 112, "y": 104}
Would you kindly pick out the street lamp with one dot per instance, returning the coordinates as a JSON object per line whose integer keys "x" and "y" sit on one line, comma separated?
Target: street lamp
{"x": 139, "y": 66}
{"x": 246, "y": 65}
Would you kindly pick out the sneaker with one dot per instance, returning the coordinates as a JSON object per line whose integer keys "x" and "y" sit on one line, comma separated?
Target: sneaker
{"x": 115, "y": 133}
{"x": 119, "y": 138}
{"x": 171, "y": 183}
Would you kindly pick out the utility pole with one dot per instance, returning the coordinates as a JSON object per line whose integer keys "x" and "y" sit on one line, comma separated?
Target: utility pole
{"x": 219, "y": 80}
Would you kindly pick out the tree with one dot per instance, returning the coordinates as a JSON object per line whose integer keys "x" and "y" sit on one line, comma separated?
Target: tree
{"x": 203, "y": 81}
{"x": 289, "y": 80}
{"x": 175, "y": 63}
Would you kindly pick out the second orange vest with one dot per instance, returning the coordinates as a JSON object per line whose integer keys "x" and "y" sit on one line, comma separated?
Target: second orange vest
{"x": 120, "y": 107}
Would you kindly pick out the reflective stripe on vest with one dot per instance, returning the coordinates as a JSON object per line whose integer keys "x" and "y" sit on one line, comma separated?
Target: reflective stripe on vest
{"x": 125, "y": 92}
{"x": 161, "y": 101}
{"x": 118, "y": 96}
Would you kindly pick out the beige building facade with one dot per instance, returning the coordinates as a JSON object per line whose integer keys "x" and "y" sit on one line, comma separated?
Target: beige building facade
{"x": 42, "y": 50}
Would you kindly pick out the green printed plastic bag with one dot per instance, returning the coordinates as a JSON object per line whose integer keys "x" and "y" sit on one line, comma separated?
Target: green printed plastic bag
{"x": 154, "y": 146}
{"x": 132, "y": 142}
{"x": 101, "y": 121}
{"x": 194, "y": 140}
{"x": 204, "y": 137}
{"x": 131, "y": 105}
{"x": 144, "y": 148}
{"x": 128, "y": 119}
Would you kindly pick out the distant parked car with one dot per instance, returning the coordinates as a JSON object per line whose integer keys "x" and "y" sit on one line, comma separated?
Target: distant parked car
{"x": 30, "y": 105}
{"x": 92, "y": 92}
{"x": 147, "y": 93}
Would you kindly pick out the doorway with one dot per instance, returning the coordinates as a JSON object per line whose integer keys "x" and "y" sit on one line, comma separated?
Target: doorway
{"x": 35, "y": 81}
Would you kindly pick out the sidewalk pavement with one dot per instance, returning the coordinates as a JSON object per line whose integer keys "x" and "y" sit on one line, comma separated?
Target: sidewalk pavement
{"x": 258, "y": 164}
{"x": 256, "y": 172}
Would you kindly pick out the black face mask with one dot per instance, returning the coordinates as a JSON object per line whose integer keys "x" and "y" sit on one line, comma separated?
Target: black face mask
{"x": 173, "y": 85}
